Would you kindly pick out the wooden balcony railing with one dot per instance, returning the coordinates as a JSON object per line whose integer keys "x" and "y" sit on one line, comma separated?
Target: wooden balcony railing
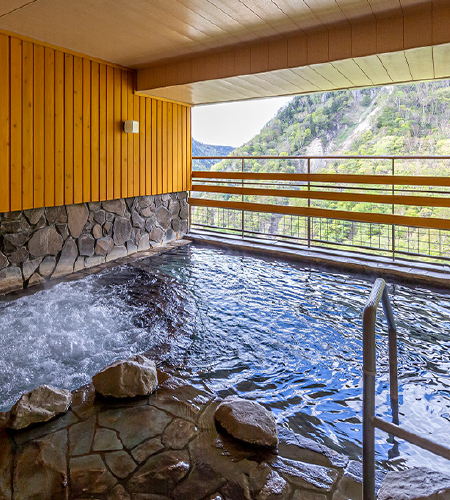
{"x": 411, "y": 211}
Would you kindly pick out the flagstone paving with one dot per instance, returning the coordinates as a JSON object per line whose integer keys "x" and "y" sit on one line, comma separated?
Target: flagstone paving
{"x": 162, "y": 447}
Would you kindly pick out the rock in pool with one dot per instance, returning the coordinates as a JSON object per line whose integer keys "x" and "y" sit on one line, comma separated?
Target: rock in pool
{"x": 128, "y": 378}
{"x": 247, "y": 421}
{"x": 39, "y": 405}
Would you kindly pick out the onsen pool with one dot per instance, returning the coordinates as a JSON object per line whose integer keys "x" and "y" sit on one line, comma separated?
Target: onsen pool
{"x": 274, "y": 331}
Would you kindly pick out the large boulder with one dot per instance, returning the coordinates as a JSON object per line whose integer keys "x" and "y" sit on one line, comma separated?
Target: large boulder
{"x": 418, "y": 483}
{"x": 10, "y": 279}
{"x": 247, "y": 421}
{"x": 122, "y": 230}
{"x": 114, "y": 206}
{"x": 67, "y": 259}
{"x": 39, "y": 405}
{"x": 77, "y": 216}
{"x": 129, "y": 378}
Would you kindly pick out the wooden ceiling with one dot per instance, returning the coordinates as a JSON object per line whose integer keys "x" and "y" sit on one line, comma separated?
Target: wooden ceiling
{"x": 157, "y": 37}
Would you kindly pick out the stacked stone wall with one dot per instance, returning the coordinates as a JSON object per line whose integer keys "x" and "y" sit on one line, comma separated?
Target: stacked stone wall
{"x": 44, "y": 243}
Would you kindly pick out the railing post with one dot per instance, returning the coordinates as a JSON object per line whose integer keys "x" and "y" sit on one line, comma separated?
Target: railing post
{"x": 242, "y": 200}
{"x": 309, "y": 204}
{"x": 393, "y": 210}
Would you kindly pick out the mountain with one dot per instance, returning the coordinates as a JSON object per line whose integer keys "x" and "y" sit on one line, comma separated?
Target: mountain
{"x": 200, "y": 149}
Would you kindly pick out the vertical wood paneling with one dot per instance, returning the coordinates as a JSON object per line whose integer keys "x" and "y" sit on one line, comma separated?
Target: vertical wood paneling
{"x": 124, "y": 137}
{"x": 102, "y": 138}
{"x": 77, "y": 130}
{"x": 86, "y": 130}
{"x": 59, "y": 128}
{"x": 16, "y": 124}
{"x": 5, "y": 158}
{"x": 27, "y": 124}
{"x": 39, "y": 126}
{"x": 142, "y": 145}
{"x": 68, "y": 129}
{"x": 117, "y": 132}
{"x": 189, "y": 150}
{"x": 61, "y": 131}
{"x": 95, "y": 131}
{"x": 49, "y": 126}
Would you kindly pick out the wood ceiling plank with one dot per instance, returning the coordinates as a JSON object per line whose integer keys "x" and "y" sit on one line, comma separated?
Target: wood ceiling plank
{"x": 332, "y": 74}
{"x": 420, "y": 63}
{"x": 11, "y": 6}
{"x": 441, "y": 56}
{"x": 383, "y": 8}
{"x": 397, "y": 67}
{"x": 374, "y": 69}
{"x": 355, "y": 9}
{"x": 353, "y": 72}
{"x": 302, "y": 83}
{"x": 314, "y": 78}
{"x": 329, "y": 13}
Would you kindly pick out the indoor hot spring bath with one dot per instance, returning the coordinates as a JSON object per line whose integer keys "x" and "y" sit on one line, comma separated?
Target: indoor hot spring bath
{"x": 220, "y": 323}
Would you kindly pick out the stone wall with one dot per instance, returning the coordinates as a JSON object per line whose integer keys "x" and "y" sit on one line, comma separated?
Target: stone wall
{"x": 45, "y": 243}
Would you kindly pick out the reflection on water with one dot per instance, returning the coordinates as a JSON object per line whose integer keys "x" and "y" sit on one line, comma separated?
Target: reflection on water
{"x": 274, "y": 331}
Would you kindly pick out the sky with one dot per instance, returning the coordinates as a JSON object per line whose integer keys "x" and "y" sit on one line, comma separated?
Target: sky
{"x": 233, "y": 124}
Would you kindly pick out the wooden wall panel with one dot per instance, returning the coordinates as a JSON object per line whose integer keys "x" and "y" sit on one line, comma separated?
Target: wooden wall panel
{"x": 61, "y": 131}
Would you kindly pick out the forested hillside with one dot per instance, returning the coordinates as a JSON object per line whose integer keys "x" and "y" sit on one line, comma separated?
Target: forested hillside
{"x": 200, "y": 149}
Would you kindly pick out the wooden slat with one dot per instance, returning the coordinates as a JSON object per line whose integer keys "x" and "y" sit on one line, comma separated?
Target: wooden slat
{"x": 68, "y": 129}
{"x": 16, "y": 124}
{"x": 148, "y": 146}
{"x": 165, "y": 166}
{"x": 136, "y": 117}
{"x": 179, "y": 148}
{"x": 387, "y": 180}
{"x": 95, "y": 131}
{"x": 142, "y": 145}
{"x": 159, "y": 158}
{"x": 189, "y": 148}
{"x": 109, "y": 133}
{"x": 169, "y": 132}
{"x": 184, "y": 148}
{"x": 86, "y": 130}
{"x": 175, "y": 148}
{"x": 130, "y": 136}
{"x": 27, "y": 125}
{"x": 422, "y": 201}
{"x": 77, "y": 130}
{"x": 124, "y": 137}
{"x": 5, "y": 110}
{"x": 49, "y": 127}
{"x": 154, "y": 146}
{"x": 401, "y": 220}
{"x": 117, "y": 133}
{"x": 38, "y": 126}
{"x": 102, "y": 122}
{"x": 59, "y": 128}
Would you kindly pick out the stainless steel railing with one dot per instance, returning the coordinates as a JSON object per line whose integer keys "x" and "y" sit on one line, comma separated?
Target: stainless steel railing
{"x": 370, "y": 421}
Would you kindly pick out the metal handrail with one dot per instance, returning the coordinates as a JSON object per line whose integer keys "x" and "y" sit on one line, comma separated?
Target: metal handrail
{"x": 370, "y": 421}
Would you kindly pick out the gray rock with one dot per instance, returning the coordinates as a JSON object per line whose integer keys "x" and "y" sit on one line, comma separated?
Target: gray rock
{"x": 147, "y": 449}
{"x": 158, "y": 201}
{"x": 145, "y": 201}
{"x": 184, "y": 212}
{"x": 97, "y": 231}
{"x": 122, "y": 230}
{"x": 275, "y": 488}
{"x": 94, "y": 261}
{"x": 33, "y": 215}
{"x": 39, "y": 405}
{"x": 79, "y": 264}
{"x": 29, "y": 267}
{"x": 63, "y": 230}
{"x": 86, "y": 244}
{"x": 12, "y": 215}
{"x": 35, "y": 279}
{"x": 131, "y": 247}
{"x": 304, "y": 475}
{"x": 147, "y": 212}
{"x": 247, "y": 421}
{"x": 81, "y": 436}
{"x": 156, "y": 234}
{"x": 114, "y": 206}
{"x": 6, "y": 463}
{"x": 90, "y": 476}
{"x": 100, "y": 217}
{"x": 150, "y": 223}
{"x": 131, "y": 202}
{"x": 94, "y": 205}
{"x": 77, "y": 216}
{"x": 182, "y": 195}
{"x": 56, "y": 214}
{"x": 109, "y": 217}
{"x": 104, "y": 245}
{"x": 3, "y": 261}
{"x": 46, "y": 267}
{"x": 184, "y": 226}
{"x": 137, "y": 220}
{"x": 10, "y": 279}
{"x": 178, "y": 434}
{"x": 15, "y": 226}
{"x": 169, "y": 236}
{"x": 19, "y": 256}
{"x": 106, "y": 440}
{"x": 174, "y": 207}
{"x": 136, "y": 236}
{"x": 42, "y": 222}
{"x": 129, "y": 378}
{"x": 418, "y": 483}
{"x": 108, "y": 229}
{"x": 118, "y": 252}
{"x": 12, "y": 242}
{"x": 144, "y": 243}
{"x": 67, "y": 259}
{"x": 120, "y": 463}
{"x": 46, "y": 241}
{"x": 163, "y": 216}
{"x": 166, "y": 197}
{"x": 87, "y": 229}
{"x": 176, "y": 224}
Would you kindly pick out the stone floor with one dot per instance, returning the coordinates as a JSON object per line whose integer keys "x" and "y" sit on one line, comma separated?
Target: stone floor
{"x": 162, "y": 447}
